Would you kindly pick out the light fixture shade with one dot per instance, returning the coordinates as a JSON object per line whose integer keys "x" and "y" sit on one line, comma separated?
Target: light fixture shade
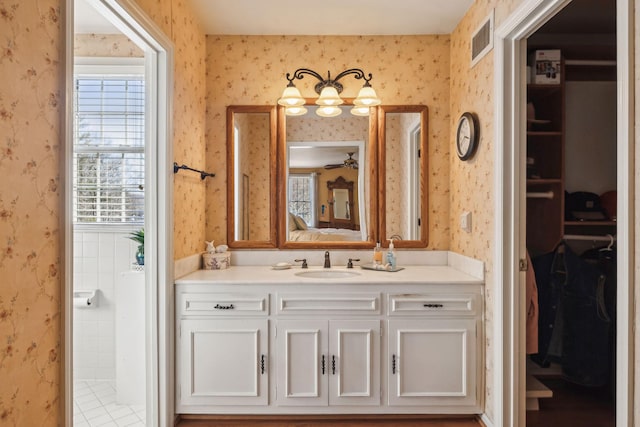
{"x": 328, "y": 111}
{"x": 295, "y": 111}
{"x": 367, "y": 96}
{"x": 291, "y": 97}
{"x": 360, "y": 110}
{"x": 329, "y": 96}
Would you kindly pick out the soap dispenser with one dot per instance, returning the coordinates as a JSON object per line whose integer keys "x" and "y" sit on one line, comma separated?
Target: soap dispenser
{"x": 391, "y": 256}
{"x": 377, "y": 255}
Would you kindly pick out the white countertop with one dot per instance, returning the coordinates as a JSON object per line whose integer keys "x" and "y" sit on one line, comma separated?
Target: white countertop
{"x": 267, "y": 275}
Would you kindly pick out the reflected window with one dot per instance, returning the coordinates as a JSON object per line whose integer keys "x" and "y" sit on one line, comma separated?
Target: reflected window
{"x": 302, "y": 197}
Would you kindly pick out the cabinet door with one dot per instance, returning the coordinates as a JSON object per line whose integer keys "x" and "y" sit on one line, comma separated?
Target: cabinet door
{"x": 354, "y": 362}
{"x": 432, "y": 362}
{"x": 223, "y": 362}
{"x": 302, "y": 364}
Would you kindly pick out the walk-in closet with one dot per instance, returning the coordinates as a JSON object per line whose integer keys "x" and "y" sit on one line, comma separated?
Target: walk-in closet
{"x": 571, "y": 218}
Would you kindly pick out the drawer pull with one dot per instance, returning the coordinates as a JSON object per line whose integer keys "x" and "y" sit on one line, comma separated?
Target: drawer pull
{"x": 224, "y": 307}
{"x": 433, "y": 305}
{"x": 323, "y": 364}
{"x": 262, "y": 359}
{"x": 393, "y": 364}
{"x": 333, "y": 364}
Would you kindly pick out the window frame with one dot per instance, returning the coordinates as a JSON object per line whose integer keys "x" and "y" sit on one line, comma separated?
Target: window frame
{"x": 107, "y": 66}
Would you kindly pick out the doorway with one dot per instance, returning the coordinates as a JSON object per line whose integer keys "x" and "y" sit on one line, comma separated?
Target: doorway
{"x": 510, "y": 184}
{"x": 571, "y": 217}
{"x": 118, "y": 252}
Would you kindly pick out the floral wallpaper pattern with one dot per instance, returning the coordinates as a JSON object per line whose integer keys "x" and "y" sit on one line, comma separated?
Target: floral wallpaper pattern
{"x": 254, "y": 161}
{"x": 31, "y": 111}
{"x": 250, "y": 70}
{"x": 177, "y": 20}
{"x": 105, "y": 45}
{"x": 472, "y": 181}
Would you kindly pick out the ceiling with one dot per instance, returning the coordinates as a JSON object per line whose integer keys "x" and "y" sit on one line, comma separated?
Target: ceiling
{"x": 328, "y": 17}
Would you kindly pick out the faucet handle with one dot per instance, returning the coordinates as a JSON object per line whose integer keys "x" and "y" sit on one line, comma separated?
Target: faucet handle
{"x": 303, "y": 261}
{"x": 350, "y": 263}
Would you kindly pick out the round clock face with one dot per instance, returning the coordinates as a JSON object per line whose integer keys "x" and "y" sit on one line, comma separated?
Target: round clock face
{"x": 466, "y": 136}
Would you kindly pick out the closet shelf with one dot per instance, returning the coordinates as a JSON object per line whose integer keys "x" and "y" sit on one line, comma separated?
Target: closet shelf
{"x": 544, "y": 181}
{"x": 590, "y": 223}
{"x": 544, "y": 133}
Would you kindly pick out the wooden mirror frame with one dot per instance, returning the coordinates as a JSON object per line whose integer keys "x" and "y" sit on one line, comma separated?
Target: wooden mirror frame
{"x": 372, "y": 209}
{"x": 271, "y": 242}
{"x": 423, "y": 241}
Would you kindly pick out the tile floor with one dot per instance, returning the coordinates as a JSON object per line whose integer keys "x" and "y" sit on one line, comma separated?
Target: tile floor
{"x": 94, "y": 404}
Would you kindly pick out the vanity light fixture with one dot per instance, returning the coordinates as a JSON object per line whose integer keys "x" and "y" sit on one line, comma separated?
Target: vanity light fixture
{"x": 329, "y": 90}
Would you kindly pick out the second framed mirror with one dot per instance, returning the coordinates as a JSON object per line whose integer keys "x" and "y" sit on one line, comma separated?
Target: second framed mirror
{"x": 403, "y": 186}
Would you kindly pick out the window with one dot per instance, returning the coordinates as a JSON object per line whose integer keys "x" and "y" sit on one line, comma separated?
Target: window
{"x": 109, "y": 136}
{"x": 302, "y": 196}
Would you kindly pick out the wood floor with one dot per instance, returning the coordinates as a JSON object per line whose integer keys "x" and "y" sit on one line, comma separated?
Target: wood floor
{"x": 573, "y": 405}
{"x": 352, "y": 421}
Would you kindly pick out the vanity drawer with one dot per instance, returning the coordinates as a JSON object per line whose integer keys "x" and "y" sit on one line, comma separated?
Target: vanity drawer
{"x": 433, "y": 305}
{"x": 357, "y": 303}
{"x": 223, "y": 304}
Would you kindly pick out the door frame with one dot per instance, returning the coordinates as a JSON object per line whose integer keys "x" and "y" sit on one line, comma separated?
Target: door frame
{"x": 510, "y": 209}
{"x": 131, "y": 20}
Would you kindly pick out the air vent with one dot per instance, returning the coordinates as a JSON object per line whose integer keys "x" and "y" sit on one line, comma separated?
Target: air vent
{"x": 482, "y": 40}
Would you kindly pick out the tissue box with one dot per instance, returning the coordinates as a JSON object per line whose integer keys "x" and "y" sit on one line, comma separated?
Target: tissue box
{"x": 215, "y": 261}
{"x": 547, "y": 66}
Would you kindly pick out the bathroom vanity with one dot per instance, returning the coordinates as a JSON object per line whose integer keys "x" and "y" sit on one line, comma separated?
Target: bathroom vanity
{"x": 254, "y": 340}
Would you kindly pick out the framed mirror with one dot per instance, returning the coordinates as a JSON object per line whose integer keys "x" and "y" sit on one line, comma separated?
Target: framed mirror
{"x": 403, "y": 186}
{"x": 313, "y": 152}
{"x": 251, "y": 177}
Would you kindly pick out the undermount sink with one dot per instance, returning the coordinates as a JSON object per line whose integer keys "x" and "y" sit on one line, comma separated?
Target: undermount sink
{"x": 327, "y": 274}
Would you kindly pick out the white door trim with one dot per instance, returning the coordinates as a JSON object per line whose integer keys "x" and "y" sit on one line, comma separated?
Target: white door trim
{"x": 510, "y": 209}
{"x": 129, "y": 18}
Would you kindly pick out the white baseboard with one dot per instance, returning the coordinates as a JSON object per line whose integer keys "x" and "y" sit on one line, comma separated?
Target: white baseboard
{"x": 486, "y": 420}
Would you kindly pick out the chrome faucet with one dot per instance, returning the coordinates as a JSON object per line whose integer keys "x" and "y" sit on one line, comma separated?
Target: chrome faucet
{"x": 327, "y": 261}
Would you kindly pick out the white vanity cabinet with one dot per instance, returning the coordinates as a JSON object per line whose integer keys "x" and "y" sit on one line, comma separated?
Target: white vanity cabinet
{"x": 222, "y": 350}
{"x": 322, "y": 362}
{"x": 433, "y": 349}
{"x": 384, "y": 343}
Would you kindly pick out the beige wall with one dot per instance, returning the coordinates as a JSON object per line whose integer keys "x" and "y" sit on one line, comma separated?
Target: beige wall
{"x": 31, "y": 112}
{"x": 250, "y": 70}
{"x": 471, "y": 182}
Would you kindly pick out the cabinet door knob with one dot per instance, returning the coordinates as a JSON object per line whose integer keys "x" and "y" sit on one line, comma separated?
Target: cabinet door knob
{"x": 393, "y": 364}
{"x": 333, "y": 364}
{"x": 323, "y": 364}
{"x": 262, "y": 363}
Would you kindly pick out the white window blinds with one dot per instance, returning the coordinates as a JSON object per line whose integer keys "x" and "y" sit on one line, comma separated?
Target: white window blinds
{"x": 109, "y": 148}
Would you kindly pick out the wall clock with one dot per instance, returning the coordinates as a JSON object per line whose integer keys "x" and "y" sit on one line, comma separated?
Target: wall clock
{"x": 467, "y": 136}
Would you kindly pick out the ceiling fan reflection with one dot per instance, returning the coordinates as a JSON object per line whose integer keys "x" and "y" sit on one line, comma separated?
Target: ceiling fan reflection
{"x": 349, "y": 163}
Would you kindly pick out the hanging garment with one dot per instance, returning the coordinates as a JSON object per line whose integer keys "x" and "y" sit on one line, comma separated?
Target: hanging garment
{"x": 532, "y": 308}
{"x": 550, "y": 278}
{"x": 587, "y": 324}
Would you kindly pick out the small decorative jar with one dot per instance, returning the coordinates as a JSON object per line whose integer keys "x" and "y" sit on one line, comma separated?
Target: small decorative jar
{"x": 216, "y": 261}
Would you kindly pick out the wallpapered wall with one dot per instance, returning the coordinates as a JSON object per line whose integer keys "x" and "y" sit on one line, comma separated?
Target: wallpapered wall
{"x": 254, "y": 136}
{"x": 250, "y": 70}
{"x": 472, "y": 181}
{"x": 31, "y": 110}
